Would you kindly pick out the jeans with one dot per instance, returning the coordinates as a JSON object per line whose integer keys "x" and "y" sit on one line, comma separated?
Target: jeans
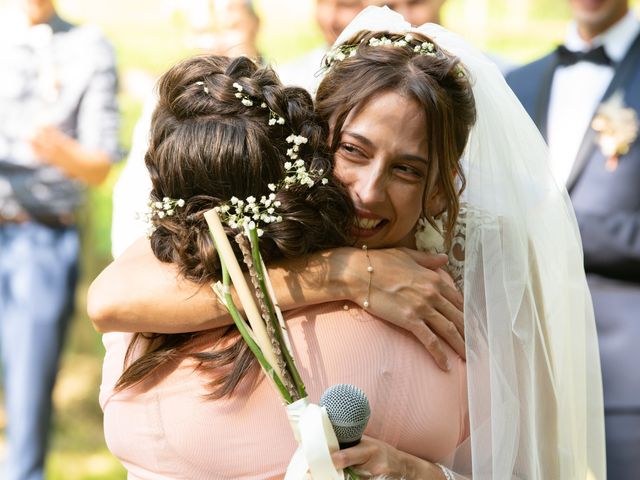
{"x": 38, "y": 275}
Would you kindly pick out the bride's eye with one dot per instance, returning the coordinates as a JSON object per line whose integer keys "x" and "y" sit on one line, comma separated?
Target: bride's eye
{"x": 350, "y": 149}
{"x": 409, "y": 171}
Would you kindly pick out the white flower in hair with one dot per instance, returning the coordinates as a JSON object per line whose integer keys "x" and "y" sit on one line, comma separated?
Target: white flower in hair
{"x": 339, "y": 53}
{"x": 237, "y": 213}
{"x": 159, "y": 210}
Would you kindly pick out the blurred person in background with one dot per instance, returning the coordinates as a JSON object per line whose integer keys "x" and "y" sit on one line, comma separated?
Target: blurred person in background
{"x": 416, "y": 12}
{"x": 419, "y": 12}
{"x": 223, "y": 27}
{"x": 585, "y": 98}
{"x": 219, "y": 27}
{"x": 58, "y": 134}
{"x": 332, "y": 16}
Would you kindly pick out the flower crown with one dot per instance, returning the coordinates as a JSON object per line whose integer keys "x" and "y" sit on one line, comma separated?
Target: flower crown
{"x": 341, "y": 52}
{"x": 250, "y": 212}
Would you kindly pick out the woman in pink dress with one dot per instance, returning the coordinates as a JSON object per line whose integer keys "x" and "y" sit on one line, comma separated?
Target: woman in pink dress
{"x": 399, "y": 110}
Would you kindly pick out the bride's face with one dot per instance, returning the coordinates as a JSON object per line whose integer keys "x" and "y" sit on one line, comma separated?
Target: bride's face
{"x": 382, "y": 159}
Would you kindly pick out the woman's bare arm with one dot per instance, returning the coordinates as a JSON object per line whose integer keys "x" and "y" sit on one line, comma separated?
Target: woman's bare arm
{"x": 138, "y": 293}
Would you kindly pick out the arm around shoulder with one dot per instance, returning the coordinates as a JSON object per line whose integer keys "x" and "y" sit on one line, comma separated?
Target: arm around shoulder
{"x": 138, "y": 293}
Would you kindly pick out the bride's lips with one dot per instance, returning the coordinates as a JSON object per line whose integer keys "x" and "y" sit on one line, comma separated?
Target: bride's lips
{"x": 367, "y": 224}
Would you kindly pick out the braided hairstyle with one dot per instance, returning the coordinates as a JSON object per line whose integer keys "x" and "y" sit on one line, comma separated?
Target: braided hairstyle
{"x": 415, "y": 67}
{"x": 206, "y": 146}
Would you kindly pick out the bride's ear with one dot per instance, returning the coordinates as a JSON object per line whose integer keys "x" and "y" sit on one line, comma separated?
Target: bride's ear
{"x": 435, "y": 204}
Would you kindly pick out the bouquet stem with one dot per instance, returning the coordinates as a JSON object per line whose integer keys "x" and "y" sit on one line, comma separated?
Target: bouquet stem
{"x": 271, "y": 308}
{"x": 246, "y": 335}
{"x": 257, "y": 333}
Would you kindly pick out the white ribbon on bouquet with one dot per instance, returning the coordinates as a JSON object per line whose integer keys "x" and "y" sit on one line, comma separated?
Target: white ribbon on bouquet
{"x": 316, "y": 441}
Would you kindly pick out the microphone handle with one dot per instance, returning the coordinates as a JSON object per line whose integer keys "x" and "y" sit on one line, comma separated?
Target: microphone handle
{"x": 352, "y": 443}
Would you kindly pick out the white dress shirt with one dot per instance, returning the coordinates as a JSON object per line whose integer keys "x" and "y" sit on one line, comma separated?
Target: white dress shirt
{"x": 305, "y": 71}
{"x": 576, "y": 91}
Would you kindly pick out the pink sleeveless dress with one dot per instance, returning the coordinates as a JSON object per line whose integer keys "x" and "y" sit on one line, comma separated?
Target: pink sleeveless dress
{"x": 166, "y": 429}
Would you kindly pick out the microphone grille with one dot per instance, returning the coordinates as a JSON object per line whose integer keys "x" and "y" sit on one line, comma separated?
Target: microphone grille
{"x": 348, "y": 410}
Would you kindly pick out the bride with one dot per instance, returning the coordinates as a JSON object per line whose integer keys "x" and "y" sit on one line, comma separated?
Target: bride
{"x": 534, "y": 408}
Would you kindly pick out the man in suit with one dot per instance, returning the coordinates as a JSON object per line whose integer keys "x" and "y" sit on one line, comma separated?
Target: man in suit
{"x": 584, "y": 97}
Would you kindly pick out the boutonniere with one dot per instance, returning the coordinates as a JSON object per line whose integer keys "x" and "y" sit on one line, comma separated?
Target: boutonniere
{"x": 617, "y": 127}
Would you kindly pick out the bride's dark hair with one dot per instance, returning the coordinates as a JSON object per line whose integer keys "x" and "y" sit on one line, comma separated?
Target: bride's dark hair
{"x": 207, "y": 146}
{"x": 436, "y": 81}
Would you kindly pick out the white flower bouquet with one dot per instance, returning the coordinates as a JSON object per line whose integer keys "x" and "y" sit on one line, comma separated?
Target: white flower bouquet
{"x": 265, "y": 333}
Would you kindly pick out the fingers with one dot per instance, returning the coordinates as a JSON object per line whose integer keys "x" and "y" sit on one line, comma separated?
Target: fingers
{"x": 446, "y": 321}
{"x": 453, "y": 307}
{"x": 433, "y": 305}
{"x": 433, "y": 344}
{"x": 450, "y": 307}
{"x": 443, "y": 313}
{"x": 356, "y": 455}
{"x": 435, "y": 328}
{"x": 455, "y": 299}
{"x": 450, "y": 334}
{"x": 427, "y": 260}
{"x": 46, "y": 142}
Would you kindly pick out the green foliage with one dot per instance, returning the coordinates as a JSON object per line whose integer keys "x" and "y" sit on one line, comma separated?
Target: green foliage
{"x": 549, "y": 10}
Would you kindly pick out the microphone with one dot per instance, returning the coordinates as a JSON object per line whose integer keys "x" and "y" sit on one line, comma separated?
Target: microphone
{"x": 348, "y": 410}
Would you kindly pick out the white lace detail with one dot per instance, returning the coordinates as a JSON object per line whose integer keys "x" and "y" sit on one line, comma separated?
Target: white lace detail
{"x": 431, "y": 240}
{"x": 456, "y": 253}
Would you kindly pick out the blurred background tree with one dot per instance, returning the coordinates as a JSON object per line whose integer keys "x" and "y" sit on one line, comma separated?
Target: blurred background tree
{"x": 148, "y": 36}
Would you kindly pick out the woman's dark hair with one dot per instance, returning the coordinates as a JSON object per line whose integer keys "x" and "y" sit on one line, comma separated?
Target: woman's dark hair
{"x": 436, "y": 81}
{"x": 207, "y": 146}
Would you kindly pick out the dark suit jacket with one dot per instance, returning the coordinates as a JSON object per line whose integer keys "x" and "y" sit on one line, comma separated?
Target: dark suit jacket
{"x": 607, "y": 206}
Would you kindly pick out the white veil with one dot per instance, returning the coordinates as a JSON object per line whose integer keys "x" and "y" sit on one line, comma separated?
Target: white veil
{"x": 535, "y": 391}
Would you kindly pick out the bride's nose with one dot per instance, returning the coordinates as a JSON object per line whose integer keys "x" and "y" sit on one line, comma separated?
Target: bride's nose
{"x": 369, "y": 188}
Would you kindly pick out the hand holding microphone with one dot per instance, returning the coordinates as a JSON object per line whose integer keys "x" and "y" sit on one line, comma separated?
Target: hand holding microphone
{"x": 348, "y": 410}
{"x": 343, "y": 409}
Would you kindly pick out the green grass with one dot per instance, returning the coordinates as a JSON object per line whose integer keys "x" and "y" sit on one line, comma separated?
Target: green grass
{"x": 78, "y": 451}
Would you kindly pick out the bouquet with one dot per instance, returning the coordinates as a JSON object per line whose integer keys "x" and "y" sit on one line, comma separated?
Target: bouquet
{"x": 266, "y": 335}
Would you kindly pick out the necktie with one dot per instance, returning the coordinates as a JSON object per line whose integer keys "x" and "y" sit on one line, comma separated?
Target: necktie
{"x": 596, "y": 55}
